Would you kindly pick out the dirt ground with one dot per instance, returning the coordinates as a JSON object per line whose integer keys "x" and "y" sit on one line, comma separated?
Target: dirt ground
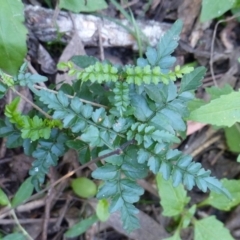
{"x": 54, "y": 212}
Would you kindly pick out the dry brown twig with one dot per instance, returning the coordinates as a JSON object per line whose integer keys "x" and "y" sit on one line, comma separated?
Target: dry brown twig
{"x": 212, "y": 44}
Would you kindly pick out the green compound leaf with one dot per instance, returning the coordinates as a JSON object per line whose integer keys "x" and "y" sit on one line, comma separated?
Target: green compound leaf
{"x": 131, "y": 168}
{"x": 173, "y": 199}
{"x": 223, "y": 111}
{"x": 28, "y": 79}
{"x": 180, "y": 168}
{"x": 99, "y": 72}
{"x": 142, "y": 111}
{"x": 161, "y": 56}
{"x": 24, "y": 192}
{"x": 168, "y": 44}
{"x": 13, "y": 47}
{"x": 11, "y": 111}
{"x": 220, "y": 201}
{"x": 114, "y": 159}
{"x": 210, "y": 10}
{"x": 106, "y": 172}
{"x": 46, "y": 155}
{"x": 123, "y": 192}
{"x": 3, "y": 198}
{"x": 13, "y": 135}
{"x": 91, "y": 135}
{"x": 81, "y": 227}
{"x": 35, "y": 128}
{"x": 210, "y": 228}
{"x": 121, "y": 98}
{"x": 193, "y": 80}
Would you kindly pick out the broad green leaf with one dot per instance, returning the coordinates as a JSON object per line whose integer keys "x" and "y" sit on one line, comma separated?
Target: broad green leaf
{"x": 222, "y": 202}
{"x": 3, "y": 198}
{"x": 216, "y": 92}
{"x": 81, "y": 227}
{"x": 84, "y": 61}
{"x": 13, "y": 47}
{"x": 24, "y": 192}
{"x": 102, "y": 210}
{"x": 223, "y": 111}
{"x": 193, "y": 80}
{"x": 84, "y": 187}
{"x": 173, "y": 199}
{"x": 195, "y": 104}
{"x": 210, "y": 229}
{"x": 83, "y": 5}
{"x": 215, "y": 9}
{"x": 232, "y": 135}
{"x": 14, "y": 236}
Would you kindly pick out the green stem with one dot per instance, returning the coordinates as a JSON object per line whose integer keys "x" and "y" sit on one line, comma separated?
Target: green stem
{"x": 19, "y": 225}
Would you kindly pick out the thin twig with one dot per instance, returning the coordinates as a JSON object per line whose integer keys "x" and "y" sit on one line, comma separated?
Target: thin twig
{"x": 48, "y": 202}
{"x": 212, "y": 45}
{"x": 32, "y": 104}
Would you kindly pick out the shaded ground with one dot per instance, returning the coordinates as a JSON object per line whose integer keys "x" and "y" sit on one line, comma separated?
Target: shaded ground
{"x": 60, "y": 208}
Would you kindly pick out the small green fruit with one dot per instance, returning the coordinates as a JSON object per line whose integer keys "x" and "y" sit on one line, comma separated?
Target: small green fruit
{"x": 84, "y": 187}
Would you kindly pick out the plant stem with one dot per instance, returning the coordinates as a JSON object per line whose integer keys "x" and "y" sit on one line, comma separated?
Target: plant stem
{"x": 20, "y": 226}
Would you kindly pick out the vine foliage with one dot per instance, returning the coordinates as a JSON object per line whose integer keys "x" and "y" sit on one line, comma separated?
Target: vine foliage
{"x": 140, "y": 106}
